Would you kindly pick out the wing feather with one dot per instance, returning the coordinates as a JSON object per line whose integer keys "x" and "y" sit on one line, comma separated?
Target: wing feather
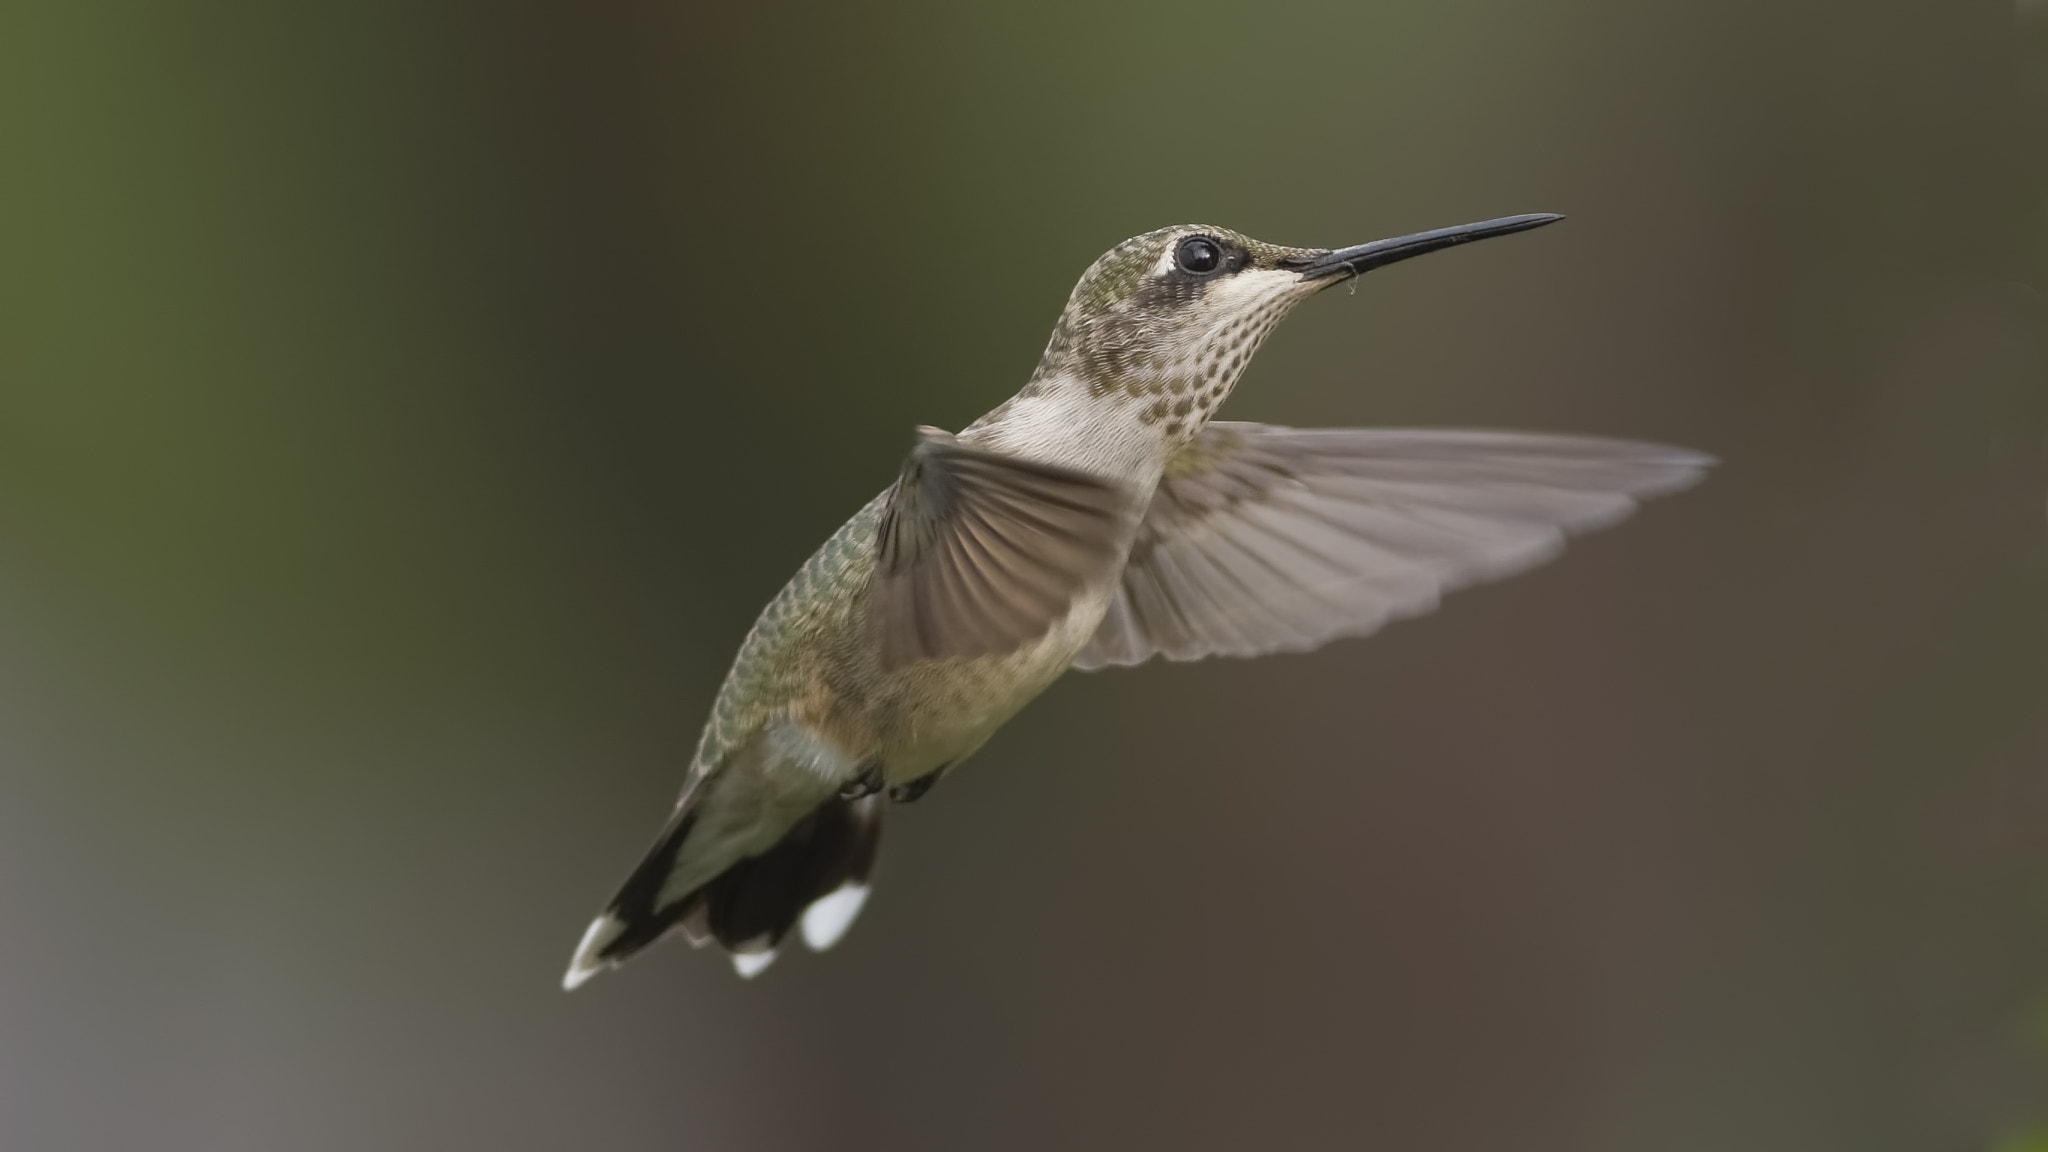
{"x": 980, "y": 553}
{"x": 1267, "y": 539}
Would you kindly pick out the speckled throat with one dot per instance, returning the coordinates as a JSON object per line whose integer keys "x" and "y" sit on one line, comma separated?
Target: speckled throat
{"x": 1146, "y": 350}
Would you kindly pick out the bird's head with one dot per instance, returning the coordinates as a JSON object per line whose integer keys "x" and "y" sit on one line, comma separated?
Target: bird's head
{"x": 1173, "y": 316}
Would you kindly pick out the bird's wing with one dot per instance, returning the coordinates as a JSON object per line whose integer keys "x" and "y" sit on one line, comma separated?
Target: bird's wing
{"x": 1266, "y": 539}
{"x": 979, "y": 553}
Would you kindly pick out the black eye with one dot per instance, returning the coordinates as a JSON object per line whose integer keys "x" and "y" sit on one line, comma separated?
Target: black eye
{"x": 1199, "y": 255}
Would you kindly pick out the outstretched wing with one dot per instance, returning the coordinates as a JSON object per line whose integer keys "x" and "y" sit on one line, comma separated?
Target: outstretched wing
{"x": 979, "y": 553}
{"x": 1266, "y": 539}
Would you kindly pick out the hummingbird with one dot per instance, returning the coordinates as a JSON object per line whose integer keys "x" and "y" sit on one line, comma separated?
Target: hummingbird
{"x": 1098, "y": 517}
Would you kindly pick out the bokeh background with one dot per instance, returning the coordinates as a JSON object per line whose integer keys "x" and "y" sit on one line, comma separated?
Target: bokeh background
{"x": 405, "y": 407}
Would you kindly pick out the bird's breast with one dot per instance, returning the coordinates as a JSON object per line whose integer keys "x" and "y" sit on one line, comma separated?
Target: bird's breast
{"x": 938, "y": 712}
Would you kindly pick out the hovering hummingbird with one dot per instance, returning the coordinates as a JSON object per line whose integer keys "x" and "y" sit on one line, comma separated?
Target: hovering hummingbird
{"x": 1097, "y": 517}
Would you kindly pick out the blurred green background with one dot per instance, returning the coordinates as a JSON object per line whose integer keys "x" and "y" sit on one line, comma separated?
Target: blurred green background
{"x": 405, "y": 408}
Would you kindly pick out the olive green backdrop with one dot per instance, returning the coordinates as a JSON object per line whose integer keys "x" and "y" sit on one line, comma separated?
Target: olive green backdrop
{"x": 404, "y": 409}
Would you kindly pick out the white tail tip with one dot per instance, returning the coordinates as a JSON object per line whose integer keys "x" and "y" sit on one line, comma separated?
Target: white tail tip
{"x": 829, "y": 916}
{"x": 586, "y": 963}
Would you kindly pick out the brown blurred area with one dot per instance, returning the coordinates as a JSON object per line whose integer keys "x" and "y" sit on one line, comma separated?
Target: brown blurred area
{"x": 405, "y": 408}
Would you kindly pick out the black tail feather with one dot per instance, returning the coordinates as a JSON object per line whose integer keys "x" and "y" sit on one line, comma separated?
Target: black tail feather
{"x": 752, "y": 905}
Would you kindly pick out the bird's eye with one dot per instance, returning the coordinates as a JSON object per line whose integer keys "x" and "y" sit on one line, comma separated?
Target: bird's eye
{"x": 1199, "y": 255}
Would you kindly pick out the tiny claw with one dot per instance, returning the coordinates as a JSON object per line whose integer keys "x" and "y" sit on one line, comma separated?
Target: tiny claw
{"x": 909, "y": 793}
{"x": 866, "y": 782}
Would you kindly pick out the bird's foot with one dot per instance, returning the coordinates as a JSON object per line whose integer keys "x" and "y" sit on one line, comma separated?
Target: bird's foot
{"x": 865, "y": 783}
{"x": 909, "y": 793}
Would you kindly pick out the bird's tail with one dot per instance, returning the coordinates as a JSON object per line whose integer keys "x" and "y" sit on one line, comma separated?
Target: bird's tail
{"x": 705, "y": 876}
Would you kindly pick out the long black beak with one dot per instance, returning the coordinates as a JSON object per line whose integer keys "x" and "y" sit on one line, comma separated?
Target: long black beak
{"x": 1344, "y": 263}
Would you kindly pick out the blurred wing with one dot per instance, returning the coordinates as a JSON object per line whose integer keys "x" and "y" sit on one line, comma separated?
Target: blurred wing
{"x": 981, "y": 553}
{"x": 1265, "y": 539}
